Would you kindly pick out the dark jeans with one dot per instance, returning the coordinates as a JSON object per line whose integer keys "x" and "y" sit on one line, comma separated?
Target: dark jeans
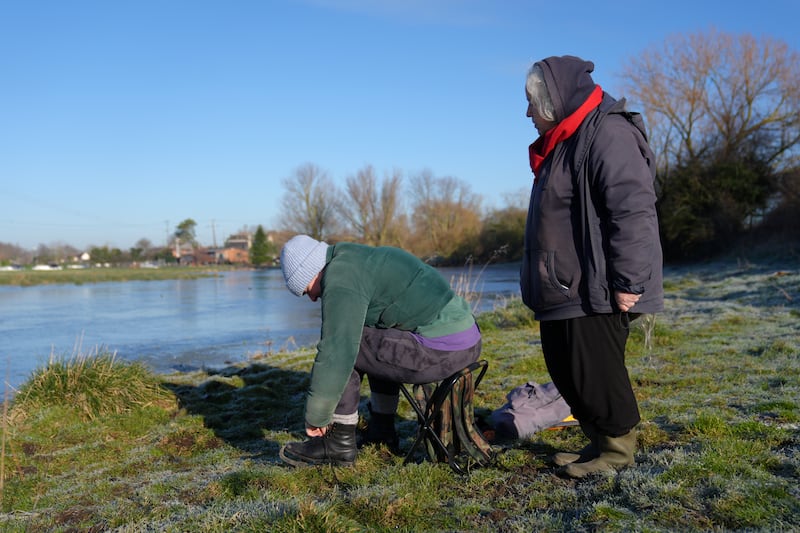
{"x": 586, "y": 360}
{"x": 390, "y": 356}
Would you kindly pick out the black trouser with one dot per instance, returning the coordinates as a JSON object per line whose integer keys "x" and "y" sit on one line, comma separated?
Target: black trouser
{"x": 391, "y": 356}
{"x": 586, "y": 360}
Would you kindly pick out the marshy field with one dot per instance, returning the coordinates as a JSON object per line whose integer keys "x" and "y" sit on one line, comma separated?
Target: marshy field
{"x": 27, "y": 277}
{"x": 93, "y": 443}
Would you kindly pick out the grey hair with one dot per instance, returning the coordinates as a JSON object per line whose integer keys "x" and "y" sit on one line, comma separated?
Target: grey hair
{"x": 538, "y": 93}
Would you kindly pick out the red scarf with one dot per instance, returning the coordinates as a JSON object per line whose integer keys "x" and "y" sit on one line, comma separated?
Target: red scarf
{"x": 541, "y": 148}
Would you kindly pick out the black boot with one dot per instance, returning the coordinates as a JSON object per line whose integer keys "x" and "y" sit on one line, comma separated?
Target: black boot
{"x": 380, "y": 430}
{"x": 336, "y": 447}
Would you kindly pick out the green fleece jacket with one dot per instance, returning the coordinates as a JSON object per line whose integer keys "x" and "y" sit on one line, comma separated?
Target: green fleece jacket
{"x": 380, "y": 287}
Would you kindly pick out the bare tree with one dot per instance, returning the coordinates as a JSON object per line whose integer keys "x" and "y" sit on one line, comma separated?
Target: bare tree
{"x": 724, "y": 115}
{"x": 310, "y": 203}
{"x": 446, "y": 214}
{"x": 718, "y": 94}
{"x": 144, "y": 244}
{"x": 518, "y": 199}
{"x": 372, "y": 209}
{"x": 13, "y": 253}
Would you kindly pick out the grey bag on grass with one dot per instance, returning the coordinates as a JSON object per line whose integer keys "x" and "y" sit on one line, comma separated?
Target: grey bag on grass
{"x": 531, "y": 408}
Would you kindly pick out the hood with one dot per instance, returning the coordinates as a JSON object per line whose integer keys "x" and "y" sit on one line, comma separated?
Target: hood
{"x": 569, "y": 81}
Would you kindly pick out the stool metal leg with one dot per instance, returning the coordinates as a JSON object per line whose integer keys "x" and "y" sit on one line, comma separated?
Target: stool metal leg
{"x": 433, "y": 405}
{"x": 425, "y": 419}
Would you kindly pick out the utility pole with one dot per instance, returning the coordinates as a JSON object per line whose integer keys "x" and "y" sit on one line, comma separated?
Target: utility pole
{"x": 213, "y": 233}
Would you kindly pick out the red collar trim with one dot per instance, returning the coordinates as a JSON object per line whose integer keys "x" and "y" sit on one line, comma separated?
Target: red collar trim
{"x": 541, "y": 148}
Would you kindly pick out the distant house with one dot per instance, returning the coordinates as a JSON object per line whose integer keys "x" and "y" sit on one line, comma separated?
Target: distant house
{"x": 240, "y": 241}
{"x": 208, "y": 256}
{"x": 234, "y": 256}
{"x": 237, "y": 249}
{"x": 187, "y": 259}
{"x": 183, "y": 252}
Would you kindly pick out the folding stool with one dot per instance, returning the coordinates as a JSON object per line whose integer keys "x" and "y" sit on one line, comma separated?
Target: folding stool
{"x": 446, "y": 421}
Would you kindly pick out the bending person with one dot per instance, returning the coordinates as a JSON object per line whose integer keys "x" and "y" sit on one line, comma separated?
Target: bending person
{"x": 386, "y": 314}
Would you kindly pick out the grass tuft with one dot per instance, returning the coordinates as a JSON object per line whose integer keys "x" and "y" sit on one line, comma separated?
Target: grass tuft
{"x": 512, "y": 314}
{"x": 93, "y": 385}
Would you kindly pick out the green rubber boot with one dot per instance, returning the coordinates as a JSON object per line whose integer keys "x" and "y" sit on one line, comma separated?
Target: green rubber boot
{"x": 615, "y": 453}
{"x": 587, "y": 453}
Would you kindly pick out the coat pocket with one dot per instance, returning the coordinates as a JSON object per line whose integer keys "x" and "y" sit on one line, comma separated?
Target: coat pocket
{"x": 541, "y": 286}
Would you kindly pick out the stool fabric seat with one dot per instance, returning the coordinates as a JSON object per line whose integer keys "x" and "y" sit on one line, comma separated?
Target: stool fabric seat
{"x": 446, "y": 420}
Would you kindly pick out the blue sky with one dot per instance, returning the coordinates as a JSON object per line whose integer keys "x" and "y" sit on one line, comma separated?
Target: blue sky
{"x": 120, "y": 119}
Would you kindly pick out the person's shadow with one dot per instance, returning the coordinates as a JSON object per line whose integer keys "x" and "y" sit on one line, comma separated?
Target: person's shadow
{"x": 247, "y": 406}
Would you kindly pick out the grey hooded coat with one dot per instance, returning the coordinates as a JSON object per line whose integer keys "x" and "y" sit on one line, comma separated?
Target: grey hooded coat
{"x": 592, "y": 226}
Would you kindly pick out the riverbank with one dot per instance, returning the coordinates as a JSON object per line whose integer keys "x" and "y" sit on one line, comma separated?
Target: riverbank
{"x": 717, "y": 376}
{"x": 80, "y": 276}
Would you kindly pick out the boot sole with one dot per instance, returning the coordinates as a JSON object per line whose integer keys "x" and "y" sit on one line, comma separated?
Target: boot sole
{"x": 564, "y": 459}
{"x": 303, "y": 462}
{"x": 561, "y": 460}
{"x": 574, "y": 471}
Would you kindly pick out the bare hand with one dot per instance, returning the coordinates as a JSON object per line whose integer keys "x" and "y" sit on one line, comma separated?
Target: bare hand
{"x": 312, "y": 431}
{"x": 626, "y": 300}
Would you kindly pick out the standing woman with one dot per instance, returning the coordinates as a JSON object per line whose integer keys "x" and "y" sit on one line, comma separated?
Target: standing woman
{"x": 592, "y": 260}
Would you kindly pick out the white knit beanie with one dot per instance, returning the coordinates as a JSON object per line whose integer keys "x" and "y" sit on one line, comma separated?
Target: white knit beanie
{"x": 302, "y": 258}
